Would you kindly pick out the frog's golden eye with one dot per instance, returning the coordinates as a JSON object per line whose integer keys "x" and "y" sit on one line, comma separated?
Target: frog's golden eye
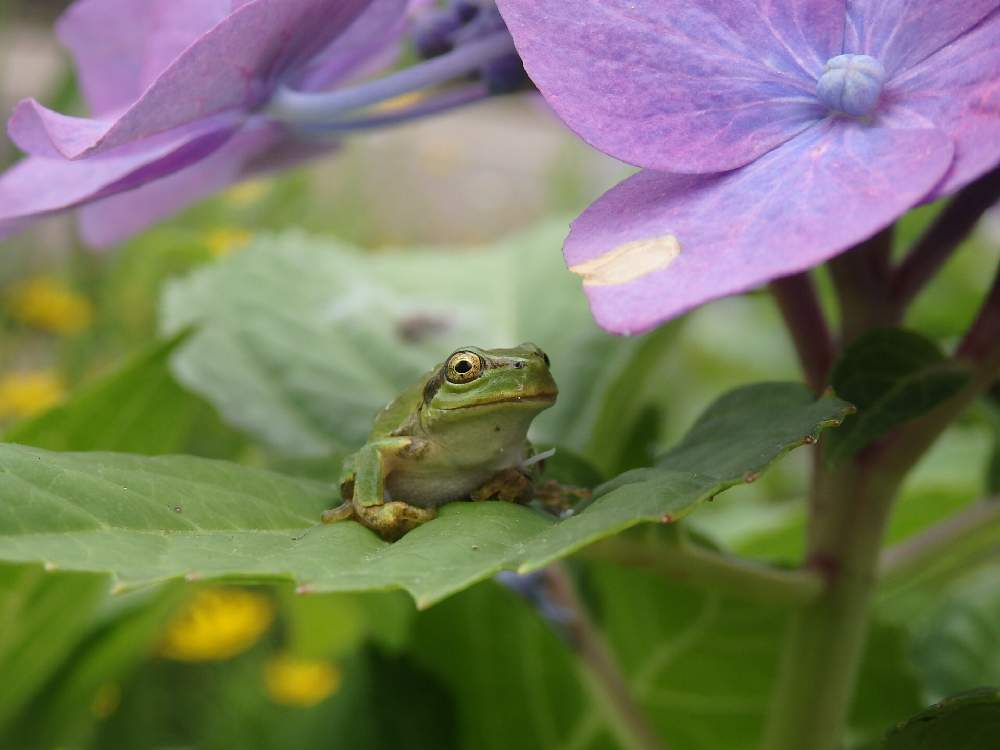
{"x": 464, "y": 367}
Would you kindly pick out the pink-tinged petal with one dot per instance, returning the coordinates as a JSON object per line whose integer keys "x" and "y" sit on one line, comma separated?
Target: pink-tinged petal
{"x": 121, "y": 46}
{"x": 371, "y": 43}
{"x": 658, "y": 245}
{"x": 901, "y": 33}
{"x": 109, "y": 221}
{"x": 679, "y": 85}
{"x": 233, "y": 66}
{"x": 176, "y": 25}
{"x": 42, "y": 132}
{"x": 107, "y": 39}
{"x": 957, "y": 89}
{"x": 37, "y": 186}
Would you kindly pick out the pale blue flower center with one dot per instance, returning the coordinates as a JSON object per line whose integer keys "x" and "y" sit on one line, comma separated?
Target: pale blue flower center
{"x": 851, "y": 84}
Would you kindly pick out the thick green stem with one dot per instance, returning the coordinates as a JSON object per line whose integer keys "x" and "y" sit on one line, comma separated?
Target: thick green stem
{"x": 599, "y": 670}
{"x": 848, "y": 512}
{"x": 825, "y": 642}
{"x": 716, "y": 571}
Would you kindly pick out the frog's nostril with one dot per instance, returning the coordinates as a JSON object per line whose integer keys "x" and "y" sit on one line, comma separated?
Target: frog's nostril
{"x": 519, "y": 365}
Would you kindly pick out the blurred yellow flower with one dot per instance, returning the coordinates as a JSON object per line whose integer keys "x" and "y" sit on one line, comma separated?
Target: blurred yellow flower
{"x": 224, "y": 240}
{"x": 246, "y": 193}
{"x": 23, "y": 394}
{"x": 48, "y": 304}
{"x": 217, "y": 624}
{"x": 293, "y": 681}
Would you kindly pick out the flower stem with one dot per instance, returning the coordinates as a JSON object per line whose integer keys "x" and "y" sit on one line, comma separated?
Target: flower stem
{"x": 716, "y": 571}
{"x": 825, "y": 641}
{"x": 800, "y": 308}
{"x": 302, "y": 108}
{"x": 941, "y": 239}
{"x": 980, "y": 344}
{"x": 861, "y": 278}
{"x": 604, "y": 679}
{"x": 849, "y": 508}
{"x": 430, "y": 106}
{"x": 911, "y": 556}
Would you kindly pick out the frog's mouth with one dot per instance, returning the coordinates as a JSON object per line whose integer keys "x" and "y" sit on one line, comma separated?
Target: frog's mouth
{"x": 527, "y": 399}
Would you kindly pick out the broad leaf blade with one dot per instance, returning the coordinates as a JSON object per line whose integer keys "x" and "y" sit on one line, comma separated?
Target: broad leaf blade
{"x": 969, "y": 721}
{"x": 301, "y": 340}
{"x": 703, "y": 664}
{"x": 37, "y": 634}
{"x": 891, "y": 376}
{"x": 150, "y": 519}
{"x": 117, "y": 642}
{"x": 733, "y": 442}
{"x": 957, "y": 643}
{"x": 485, "y": 643}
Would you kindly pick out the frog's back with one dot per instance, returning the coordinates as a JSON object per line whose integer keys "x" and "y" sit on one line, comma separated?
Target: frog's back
{"x": 399, "y": 410}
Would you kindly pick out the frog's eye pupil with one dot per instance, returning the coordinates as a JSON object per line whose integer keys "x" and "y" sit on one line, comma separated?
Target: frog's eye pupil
{"x": 463, "y": 366}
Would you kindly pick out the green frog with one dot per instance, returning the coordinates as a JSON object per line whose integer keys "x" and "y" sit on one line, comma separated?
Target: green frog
{"x": 458, "y": 433}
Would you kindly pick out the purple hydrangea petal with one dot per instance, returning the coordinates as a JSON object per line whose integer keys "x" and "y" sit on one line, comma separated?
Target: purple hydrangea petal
{"x": 658, "y": 244}
{"x": 679, "y": 85}
{"x": 37, "y": 186}
{"x": 109, "y": 72}
{"x": 901, "y": 33}
{"x": 174, "y": 25}
{"x": 109, "y": 221}
{"x": 958, "y": 90}
{"x": 233, "y": 66}
{"x": 355, "y": 52}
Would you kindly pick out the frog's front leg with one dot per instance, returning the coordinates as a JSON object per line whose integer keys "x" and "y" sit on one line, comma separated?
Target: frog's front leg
{"x": 392, "y": 519}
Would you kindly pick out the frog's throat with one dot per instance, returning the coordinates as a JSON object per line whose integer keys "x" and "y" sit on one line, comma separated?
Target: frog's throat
{"x": 530, "y": 399}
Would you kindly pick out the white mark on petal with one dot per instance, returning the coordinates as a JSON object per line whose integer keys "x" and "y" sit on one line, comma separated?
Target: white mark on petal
{"x": 629, "y": 261}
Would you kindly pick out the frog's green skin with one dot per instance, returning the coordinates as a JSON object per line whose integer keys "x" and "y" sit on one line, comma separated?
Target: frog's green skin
{"x": 443, "y": 439}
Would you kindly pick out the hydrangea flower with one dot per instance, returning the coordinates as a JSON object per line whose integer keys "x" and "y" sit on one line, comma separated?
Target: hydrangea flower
{"x": 774, "y": 133}
{"x": 189, "y": 96}
{"x": 175, "y": 88}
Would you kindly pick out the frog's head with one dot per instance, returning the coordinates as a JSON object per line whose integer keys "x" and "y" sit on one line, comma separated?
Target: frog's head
{"x": 473, "y": 380}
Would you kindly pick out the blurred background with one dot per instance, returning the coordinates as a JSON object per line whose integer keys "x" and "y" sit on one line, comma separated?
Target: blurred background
{"x": 209, "y": 666}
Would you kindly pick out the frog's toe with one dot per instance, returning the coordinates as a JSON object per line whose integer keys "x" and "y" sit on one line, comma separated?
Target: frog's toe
{"x": 510, "y": 485}
{"x": 341, "y": 513}
{"x": 394, "y": 519}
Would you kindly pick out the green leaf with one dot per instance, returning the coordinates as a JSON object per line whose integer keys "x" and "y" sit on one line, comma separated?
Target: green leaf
{"x": 140, "y": 408}
{"x": 733, "y": 442}
{"x": 514, "y": 682}
{"x": 324, "y": 626}
{"x": 37, "y": 633}
{"x": 703, "y": 665}
{"x": 118, "y": 640}
{"x": 891, "y": 376}
{"x": 150, "y": 519}
{"x": 301, "y": 341}
{"x": 888, "y": 685}
{"x": 382, "y": 703}
{"x": 993, "y": 464}
{"x": 969, "y": 721}
{"x": 957, "y": 643}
